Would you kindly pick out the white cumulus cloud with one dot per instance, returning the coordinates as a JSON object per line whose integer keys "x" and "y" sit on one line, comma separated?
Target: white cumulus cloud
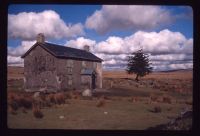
{"x": 163, "y": 42}
{"x": 26, "y": 25}
{"x": 15, "y": 53}
{"x": 21, "y": 49}
{"x": 80, "y": 42}
{"x": 117, "y": 17}
{"x": 15, "y": 60}
{"x": 167, "y": 50}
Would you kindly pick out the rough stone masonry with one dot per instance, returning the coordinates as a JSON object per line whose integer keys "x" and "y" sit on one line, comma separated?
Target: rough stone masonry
{"x": 51, "y": 67}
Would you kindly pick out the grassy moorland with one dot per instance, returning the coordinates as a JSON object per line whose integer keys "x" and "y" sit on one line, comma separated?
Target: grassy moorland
{"x": 122, "y": 103}
{"x": 155, "y": 75}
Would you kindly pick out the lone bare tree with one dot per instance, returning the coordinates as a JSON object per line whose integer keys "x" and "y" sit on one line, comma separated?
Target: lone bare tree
{"x": 138, "y": 63}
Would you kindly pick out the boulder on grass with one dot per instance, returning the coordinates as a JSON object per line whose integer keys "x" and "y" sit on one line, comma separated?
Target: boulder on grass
{"x": 87, "y": 92}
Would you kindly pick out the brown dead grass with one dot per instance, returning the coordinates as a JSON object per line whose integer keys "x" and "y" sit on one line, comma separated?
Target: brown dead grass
{"x": 16, "y": 101}
{"x": 37, "y": 112}
{"x": 59, "y": 98}
{"x": 134, "y": 99}
{"x": 167, "y": 99}
{"x": 101, "y": 102}
{"x": 157, "y": 109}
{"x": 15, "y": 72}
{"x": 154, "y": 75}
{"x": 153, "y": 98}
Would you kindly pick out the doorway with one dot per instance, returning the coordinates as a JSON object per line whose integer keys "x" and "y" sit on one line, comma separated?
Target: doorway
{"x": 93, "y": 81}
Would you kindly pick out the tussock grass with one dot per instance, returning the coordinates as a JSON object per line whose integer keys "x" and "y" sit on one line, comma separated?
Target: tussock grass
{"x": 17, "y": 101}
{"x": 77, "y": 95}
{"x": 156, "y": 109}
{"x": 153, "y": 98}
{"x": 59, "y": 98}
{"x": 37, "y": 112}
{"x": 101, "y": 102}
{"x": 189, "y": 102}
{"x": 133, "y": 99}
{"x": 167, "y": 99}
{"x": 51, "y": 98}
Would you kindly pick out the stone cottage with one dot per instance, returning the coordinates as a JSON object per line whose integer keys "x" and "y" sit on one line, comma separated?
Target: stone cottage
{"x": 51, "y": 67}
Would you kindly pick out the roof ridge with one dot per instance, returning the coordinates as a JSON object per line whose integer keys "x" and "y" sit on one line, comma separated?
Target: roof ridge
{"x": 61, "y": 51}
{"x": 67, "y": 47}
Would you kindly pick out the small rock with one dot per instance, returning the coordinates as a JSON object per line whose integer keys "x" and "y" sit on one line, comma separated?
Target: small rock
{"x": 61, "y": 117}
{"x": 87, "y": 92}
{"x": 105, "y": 112}
{"x": 36, "y": 94}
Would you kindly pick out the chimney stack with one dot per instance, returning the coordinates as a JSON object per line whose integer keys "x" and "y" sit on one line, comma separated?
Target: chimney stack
{"x": 40, "y": 38}
{"x": 87, "y": 48}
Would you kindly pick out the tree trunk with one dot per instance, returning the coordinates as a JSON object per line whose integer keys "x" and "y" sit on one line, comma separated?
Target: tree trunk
{"x": 136, "y": 79}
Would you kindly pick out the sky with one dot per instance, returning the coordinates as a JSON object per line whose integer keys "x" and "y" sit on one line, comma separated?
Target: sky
{"x": 113, "y": 32}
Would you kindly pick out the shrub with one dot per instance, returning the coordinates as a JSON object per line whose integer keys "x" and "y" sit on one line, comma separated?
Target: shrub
{"x": 13, "y": 105}
{"x": 153, "y": 98}
{"x": 167, "y": 99}
{"x": 16, "y": 101}
{"x": 189, "y": 102}
{"x": 51, "y": 98}
{"x": 25, "y": 102}
{"x": 12, "y": 111}
{"x": 157, "y": 109}
{"x": 47, "y": 103}
{"x": 68, "y": 95}
{"x": 151, "y": 83}
{"x": 59, "y": 98}
{"x": 101, "y": 103}
{"x": 42, "y": 96}
{"x": 169, "y": 109}
{"x": 165, "y": 89}
{"x": 37, "y": 112}
{"x": 11, "y": 96}
{"x": 76, "y": 95}
{"x": 24, "y": 110}
{"x": 107, "y": 98}
{"x": 37, "y": 102}
{"x": 134, "y": 99}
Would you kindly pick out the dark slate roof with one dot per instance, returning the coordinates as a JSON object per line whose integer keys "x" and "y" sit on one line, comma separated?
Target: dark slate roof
{"x": 87, "y": 72}
{"x": 66, "y": 52}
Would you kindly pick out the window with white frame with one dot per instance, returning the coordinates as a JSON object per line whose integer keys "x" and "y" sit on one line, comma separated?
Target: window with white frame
{"x": 69, "y": 63}
{"x": 69, "y": 66}
{"x": 94, "y": 65}
{"x": 83, "y": 64}
{"x": 69, "y": 80}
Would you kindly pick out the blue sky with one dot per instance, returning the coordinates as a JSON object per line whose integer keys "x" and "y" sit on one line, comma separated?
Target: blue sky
{"x": 82, "y": 24}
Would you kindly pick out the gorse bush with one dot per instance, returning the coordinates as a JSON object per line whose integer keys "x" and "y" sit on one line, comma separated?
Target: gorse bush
{"x": 101, "y": 102}
{"x": 167, "y": 99}
{"x": 37, "y": 112}
{"x": 17, "y": 101}
{"x": 13, "y": 105}
{"x": 157, "y": 109}
{"x": 26, "y": 102}
{"x": 59, "y": 98}
{"x": 51, "y": 98}
{"x": 153, "y": 98}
